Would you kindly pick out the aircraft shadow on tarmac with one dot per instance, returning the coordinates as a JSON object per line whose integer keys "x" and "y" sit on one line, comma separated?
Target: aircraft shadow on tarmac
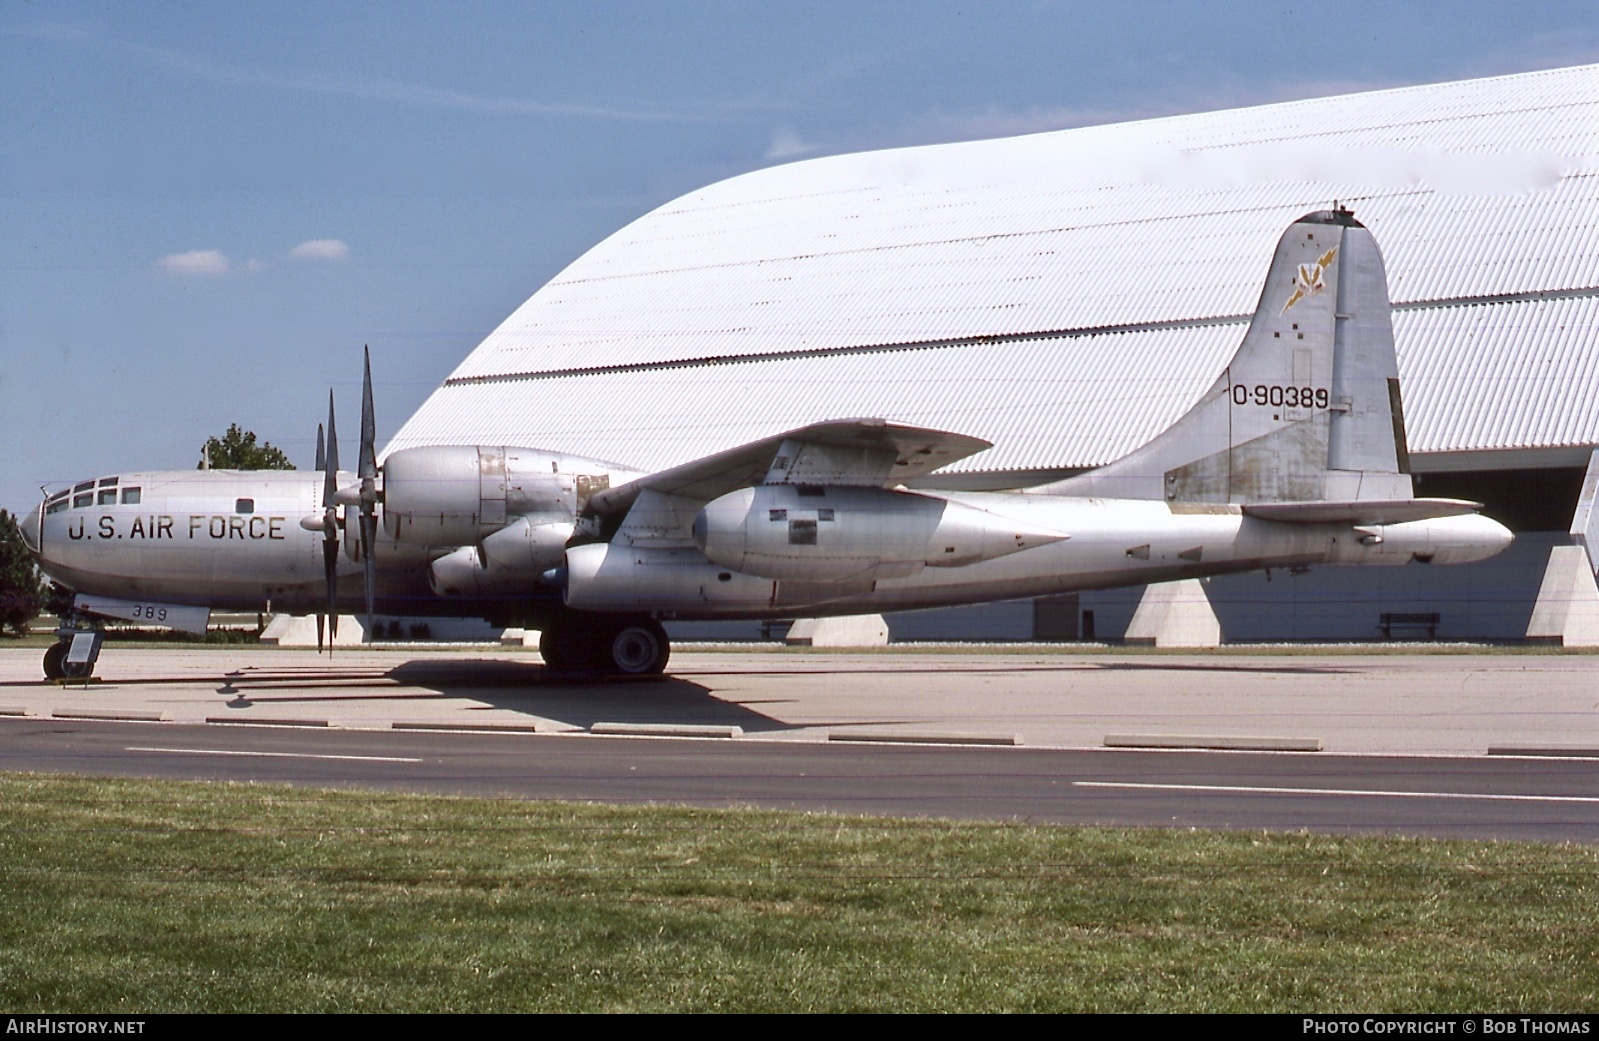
{"x": 522, "y": 687}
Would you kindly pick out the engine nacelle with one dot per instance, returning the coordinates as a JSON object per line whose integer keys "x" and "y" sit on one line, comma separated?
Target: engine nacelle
{"x": 511, "y": 560}
{"x": 609, "y": 576}
{"x": 795, "y": 532}
{"x": 457, "y": 495}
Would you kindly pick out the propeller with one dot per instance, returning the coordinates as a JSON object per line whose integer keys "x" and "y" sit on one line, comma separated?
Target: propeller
{"x": 363, "y": 496}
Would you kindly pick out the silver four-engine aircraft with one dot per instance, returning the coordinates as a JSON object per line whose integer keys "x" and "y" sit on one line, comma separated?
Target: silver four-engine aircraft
{"x": 1295, "y": 456}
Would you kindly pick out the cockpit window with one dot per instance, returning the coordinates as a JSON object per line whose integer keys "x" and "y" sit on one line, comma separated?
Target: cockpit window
{"x": 83, "y": 486}
{"x": 108, "y": 497}
{"x": 244, "y": 506}
{"x": 57, "y": 503}
{"x": 130, "y": 496}
{"x": 104, "y": 481}
{"x": 83, "y": 499}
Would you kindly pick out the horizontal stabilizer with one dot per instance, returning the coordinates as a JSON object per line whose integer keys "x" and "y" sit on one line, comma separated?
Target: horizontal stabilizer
{"x": 852, "y": 452}
{"x": 1361, "y": 511}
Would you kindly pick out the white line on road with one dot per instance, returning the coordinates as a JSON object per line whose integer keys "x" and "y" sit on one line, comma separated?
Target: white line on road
{"x": 1334, "y": 791}
{"x": 277, "y": 755}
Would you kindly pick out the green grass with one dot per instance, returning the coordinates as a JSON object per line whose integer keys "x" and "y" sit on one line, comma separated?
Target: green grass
{"x": 136, "y": 896}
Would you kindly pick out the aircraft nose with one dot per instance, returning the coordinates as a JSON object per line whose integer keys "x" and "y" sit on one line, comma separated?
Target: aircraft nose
{"x": 30, "y": 529}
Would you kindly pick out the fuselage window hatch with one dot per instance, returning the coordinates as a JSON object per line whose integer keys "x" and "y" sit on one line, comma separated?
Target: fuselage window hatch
{"x": 108, "y": 497}
{"x": 244, "y": 506}
{"x": 130, "y": 496}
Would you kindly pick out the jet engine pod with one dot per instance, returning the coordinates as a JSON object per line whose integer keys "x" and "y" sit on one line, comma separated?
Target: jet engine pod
{"x": 786, "y": 531}
{"x": 444, "y": 495}
{"x": 508, "y": 562}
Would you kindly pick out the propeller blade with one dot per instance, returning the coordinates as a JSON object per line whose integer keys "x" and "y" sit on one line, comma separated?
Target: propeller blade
{"x": 330, "y": 481}
{"x": 369, "y": 427}
{"x": 330, "y": 576}
{"x": 321, "y": 624}
{"x": 368, "y": 536}
{"x": 330, "y": 530}
{"x": 368, "y": 472}
{"x": 321, "y": 450}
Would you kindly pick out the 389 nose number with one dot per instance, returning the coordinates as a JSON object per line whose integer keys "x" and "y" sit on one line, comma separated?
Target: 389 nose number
{"x": 1280, "y": 397}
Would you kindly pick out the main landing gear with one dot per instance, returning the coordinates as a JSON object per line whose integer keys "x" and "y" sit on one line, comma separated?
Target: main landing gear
{"x": 627, "y": 645}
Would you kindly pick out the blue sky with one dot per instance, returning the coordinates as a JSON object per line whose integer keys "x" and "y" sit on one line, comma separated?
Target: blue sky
{"x": 206, "y": 209}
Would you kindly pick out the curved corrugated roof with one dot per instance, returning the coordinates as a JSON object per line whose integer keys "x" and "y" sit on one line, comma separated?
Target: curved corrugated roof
{"x": 1068, "y": 293}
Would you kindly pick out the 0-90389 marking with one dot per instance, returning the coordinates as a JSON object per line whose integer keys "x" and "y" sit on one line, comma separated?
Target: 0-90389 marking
{"x": 1279, "y": 396}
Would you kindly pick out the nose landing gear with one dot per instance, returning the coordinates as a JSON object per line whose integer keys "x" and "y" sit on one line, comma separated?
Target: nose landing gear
{"x": 73, "y": 655}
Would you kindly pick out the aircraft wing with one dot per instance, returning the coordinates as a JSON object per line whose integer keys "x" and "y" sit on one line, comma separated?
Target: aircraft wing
{"x": 857, "y": 452}
{"x": 1361, "y": 511}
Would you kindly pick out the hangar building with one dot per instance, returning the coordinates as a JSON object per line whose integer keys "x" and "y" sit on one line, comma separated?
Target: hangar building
{"x": 1067, "y": 295}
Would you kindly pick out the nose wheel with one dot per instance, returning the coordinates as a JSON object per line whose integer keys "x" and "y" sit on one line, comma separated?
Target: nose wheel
{"x": 72, "y": 656}
{"x": 55, "y": 661}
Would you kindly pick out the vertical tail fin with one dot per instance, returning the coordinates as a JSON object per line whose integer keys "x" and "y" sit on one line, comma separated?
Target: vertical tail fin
{"x": 1308, "y": 409}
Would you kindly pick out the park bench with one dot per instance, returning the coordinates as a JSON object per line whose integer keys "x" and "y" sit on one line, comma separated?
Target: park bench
{"x": 1391, "y": 620}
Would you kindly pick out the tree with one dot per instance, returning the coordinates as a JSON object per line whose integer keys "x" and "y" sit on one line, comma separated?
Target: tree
{"x": 238, "y": 450}
{"x": 21, "y": 591}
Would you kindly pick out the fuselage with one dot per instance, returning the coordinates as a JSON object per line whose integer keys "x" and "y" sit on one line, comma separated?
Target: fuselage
{"x": 250, "y": 541}
{"x": 229, "y": 540}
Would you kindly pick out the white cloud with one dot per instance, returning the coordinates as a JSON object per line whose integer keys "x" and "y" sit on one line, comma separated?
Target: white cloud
{"x": 195, "y": 262}
{"x": 320, "y": 249}
{"x": 786, "y": 143}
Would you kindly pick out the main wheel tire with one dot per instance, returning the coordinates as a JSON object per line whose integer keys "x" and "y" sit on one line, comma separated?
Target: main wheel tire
{"x": 640, "y": 649}
{"x": 569, "y": 648}
{"x": 55, "y": 662}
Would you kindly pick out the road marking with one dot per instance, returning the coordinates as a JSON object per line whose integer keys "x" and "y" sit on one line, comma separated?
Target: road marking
{"x": 1334, "y": 791}
{"x": 278, "y": 755}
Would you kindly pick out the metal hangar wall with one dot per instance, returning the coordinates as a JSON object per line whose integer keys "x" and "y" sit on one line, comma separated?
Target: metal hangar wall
{"x": 1067, "y": 295}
